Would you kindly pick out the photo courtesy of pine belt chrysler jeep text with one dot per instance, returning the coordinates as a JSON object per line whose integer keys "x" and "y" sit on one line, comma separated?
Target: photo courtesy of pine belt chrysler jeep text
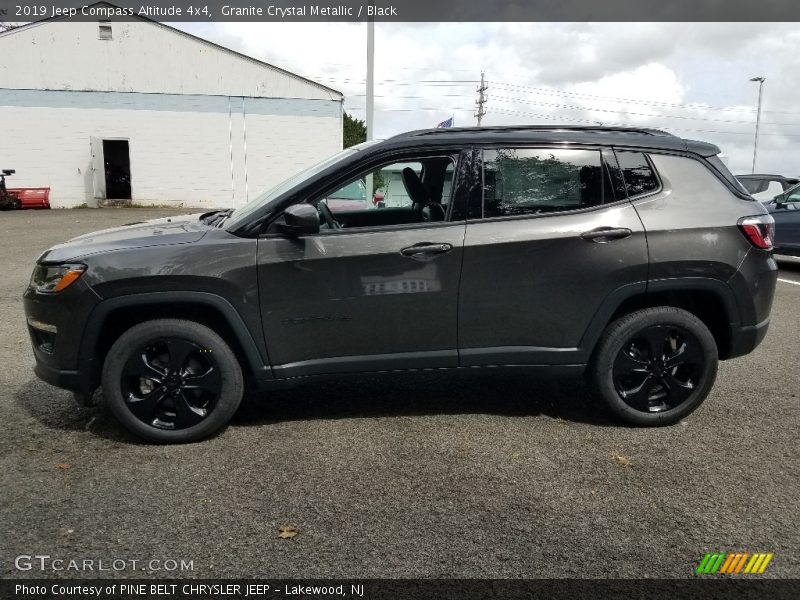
{"x": 630, "y": 256}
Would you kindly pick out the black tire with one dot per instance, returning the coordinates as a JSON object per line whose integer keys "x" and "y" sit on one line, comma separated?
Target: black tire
{"x": 645, "y": 386}
{"x": 172, "y": 381}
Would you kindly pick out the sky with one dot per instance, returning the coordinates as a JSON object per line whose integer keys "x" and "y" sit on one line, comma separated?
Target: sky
{"x": 691, "y": 79}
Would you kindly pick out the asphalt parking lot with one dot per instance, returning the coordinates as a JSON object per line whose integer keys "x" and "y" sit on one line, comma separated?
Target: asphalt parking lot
{"x": 445, "y": 477}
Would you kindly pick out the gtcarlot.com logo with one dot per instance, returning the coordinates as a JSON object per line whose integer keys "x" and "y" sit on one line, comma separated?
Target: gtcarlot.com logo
{"x": 734, "y": 563}
{"x": 45, "y": 562}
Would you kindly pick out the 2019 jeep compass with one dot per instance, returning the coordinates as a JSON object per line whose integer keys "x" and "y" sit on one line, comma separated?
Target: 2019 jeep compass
{"x": 631, "y": 256}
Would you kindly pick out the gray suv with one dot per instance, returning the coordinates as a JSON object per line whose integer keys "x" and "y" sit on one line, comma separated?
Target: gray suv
{"x": 630, "y": 256}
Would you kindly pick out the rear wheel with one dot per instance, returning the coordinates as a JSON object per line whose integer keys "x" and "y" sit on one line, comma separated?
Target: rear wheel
{"x": 654, "y": 366}
{"x": 170, "y": 380}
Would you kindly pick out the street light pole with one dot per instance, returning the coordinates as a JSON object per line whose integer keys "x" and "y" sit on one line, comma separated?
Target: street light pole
{"x": 760, "y": 81}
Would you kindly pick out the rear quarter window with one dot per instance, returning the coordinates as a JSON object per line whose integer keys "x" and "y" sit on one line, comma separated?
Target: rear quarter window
{"x": 740, "y": 186}
{"x": 638, "y": 174}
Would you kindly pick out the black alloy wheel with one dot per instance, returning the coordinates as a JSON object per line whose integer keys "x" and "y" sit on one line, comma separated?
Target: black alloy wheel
{"x": 172, "y": 380}
{"x": 171, "y": 383}
{"x": 654, "y": 366}
{"x": 658, "y": 368}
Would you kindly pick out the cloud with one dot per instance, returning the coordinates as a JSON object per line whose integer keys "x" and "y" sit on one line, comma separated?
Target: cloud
{"x": 688, "y": 78}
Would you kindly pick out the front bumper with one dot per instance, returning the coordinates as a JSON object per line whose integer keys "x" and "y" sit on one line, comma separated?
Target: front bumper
{"x": 69, "y": 380}
{"x": 56, "y": 324}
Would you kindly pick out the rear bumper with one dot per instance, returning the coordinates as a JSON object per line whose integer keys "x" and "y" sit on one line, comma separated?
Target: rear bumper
{"x": 753, "y": 285}
{"x": 746, "y": 339}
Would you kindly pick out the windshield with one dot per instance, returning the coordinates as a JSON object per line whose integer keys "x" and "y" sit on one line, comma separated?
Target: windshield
{"x": 242, "y": 214}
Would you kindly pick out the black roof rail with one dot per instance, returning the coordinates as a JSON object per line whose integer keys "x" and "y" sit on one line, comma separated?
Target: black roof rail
{"x": 542, "y": 128}
{"x": 765, "y": 175}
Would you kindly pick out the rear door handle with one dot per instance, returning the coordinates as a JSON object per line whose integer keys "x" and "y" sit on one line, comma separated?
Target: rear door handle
{"x": 603, "y": 235}
{"x": 426, "y": 248}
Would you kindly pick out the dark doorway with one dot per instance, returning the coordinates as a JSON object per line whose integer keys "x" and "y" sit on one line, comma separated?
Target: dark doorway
{"x": 118, "y": 169}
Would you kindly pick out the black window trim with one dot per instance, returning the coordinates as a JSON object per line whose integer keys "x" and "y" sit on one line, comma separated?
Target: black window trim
{"x": 492, "y": 146}
{"x": 456, "y": 155}
{"x": 693, "y": 156}
{"x": 604, "y": 152}
{"x": 646, "y": 155}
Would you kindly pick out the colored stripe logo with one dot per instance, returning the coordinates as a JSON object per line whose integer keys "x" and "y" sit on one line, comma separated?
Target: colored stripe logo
{"x": 734, "y": 563}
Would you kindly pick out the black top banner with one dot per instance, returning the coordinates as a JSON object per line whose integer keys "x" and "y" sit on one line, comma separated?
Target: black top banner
{"x": 405, "y": 10}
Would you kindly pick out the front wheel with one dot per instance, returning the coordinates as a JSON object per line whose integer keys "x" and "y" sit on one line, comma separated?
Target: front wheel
{"x": 172, "y": 381}
{"x": 654, "y": 366}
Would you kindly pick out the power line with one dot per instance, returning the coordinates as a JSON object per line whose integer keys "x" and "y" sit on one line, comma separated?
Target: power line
{"x": 638, "y": 114}
{"x": 454, "y": 82}
{"x": 409, "y": 97}
{"x": 592, "y": 108}
{"x": 551, "y": 91}
{"x": 419, "y": 109}
{"x": 551, "y": 117}
{"x": 535, "y": 90}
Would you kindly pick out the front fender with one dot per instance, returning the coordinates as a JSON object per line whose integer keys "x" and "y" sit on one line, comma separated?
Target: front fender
{"x": 256, "y": 358}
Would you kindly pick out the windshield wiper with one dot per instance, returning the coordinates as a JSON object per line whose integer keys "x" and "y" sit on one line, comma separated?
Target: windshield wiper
{"x": 216, "y": 217}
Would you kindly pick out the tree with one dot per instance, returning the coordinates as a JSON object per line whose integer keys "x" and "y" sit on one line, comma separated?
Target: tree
{"x": 355, "y": 131}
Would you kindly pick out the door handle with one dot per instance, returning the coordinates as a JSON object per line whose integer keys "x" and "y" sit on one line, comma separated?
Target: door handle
{"x": 426, "y": 248}
{"x": 603, "y": 235}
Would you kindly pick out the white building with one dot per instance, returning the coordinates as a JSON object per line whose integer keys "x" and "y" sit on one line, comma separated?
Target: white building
{"x": 101, "y": 110}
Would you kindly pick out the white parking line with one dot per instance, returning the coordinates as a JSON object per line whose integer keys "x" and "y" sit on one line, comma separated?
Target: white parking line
{"x": 789, "y": 281}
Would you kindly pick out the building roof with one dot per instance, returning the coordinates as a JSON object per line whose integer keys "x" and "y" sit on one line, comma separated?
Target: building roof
{"x": 187, "y": 35}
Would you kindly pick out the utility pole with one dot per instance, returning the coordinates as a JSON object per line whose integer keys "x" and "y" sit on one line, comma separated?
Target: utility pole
{"x": 760, "y": 81}
{"x": 370, "y": 98}
{"x": 481, "y": 101}
{"x": 370, "y": 75}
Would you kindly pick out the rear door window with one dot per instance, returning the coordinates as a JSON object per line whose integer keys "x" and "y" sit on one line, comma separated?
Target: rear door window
{"x": 533, "y": 181}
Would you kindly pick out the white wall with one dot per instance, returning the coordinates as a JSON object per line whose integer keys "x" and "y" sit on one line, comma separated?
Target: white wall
{"x": 176, "y": 156}
{"x": 185, "y": 106}
{"x": 142, "y": 56}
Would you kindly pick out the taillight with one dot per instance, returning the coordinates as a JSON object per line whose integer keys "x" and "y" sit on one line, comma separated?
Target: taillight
{"x": 759, "y": 230}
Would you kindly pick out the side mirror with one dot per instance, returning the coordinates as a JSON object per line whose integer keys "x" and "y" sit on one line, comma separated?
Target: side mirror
{"x": 785, "y": 201}
{"x": 300, "y": 219}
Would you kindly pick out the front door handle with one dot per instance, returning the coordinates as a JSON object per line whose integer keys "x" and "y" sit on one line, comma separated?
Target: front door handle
{"x": 603, "y": 235}
{"x": 426, "y": 248}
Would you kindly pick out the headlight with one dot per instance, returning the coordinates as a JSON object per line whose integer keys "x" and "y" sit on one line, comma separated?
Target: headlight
{"x": 53, "y": 279}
